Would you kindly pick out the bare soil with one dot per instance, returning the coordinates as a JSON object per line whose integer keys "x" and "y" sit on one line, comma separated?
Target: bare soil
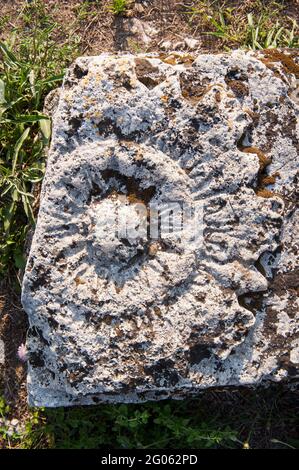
{"x": 160, "y": 20}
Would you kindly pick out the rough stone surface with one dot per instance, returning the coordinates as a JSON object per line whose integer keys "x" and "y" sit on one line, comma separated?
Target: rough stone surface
{"x": 132, "y": 320}
{"x": 2, "y": 352}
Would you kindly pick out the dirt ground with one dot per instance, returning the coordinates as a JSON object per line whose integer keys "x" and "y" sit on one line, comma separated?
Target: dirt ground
{"x": 147, "y": 26}
{"x": 264, "y": 414}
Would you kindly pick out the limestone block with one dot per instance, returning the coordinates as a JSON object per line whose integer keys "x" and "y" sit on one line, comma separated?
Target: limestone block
{"x": 125, "y": 309}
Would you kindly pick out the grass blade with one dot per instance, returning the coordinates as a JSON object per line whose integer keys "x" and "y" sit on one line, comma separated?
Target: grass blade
{"x": 30, "y": 117}
{"x": 45, "y": 127}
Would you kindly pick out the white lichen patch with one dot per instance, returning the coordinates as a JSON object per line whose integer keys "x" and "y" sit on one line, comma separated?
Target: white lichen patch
{"x": 126, "y": 307}
{"x": 286, "y": 325}
{"x": 294, "y": 354}
{"x": 2, "y": 352}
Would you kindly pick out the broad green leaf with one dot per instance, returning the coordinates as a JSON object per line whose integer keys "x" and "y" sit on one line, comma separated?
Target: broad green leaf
{"x": 31, "y": 78}
{"x": 3, "y": 105}
{"x": 45, "y": 127}
{"x": 12, "y": 60}
{"x": 2, "y": 92}
{"x": 19, "y": 259}
{"x": 8, "y": 213}
{"x": 54, "y": 78}
{"x": 18, "y": 148}
{"x": 15, "y": 195}
{"x": 24, "y": 193}
{"x": 27, "y": 207}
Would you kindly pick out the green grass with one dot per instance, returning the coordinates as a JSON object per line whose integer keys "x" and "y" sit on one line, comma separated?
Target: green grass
{"x": 31, "y": 65}
{"x": 265, "y": 26}
{"x": 87, "y": 10}
{"x": 259, "y": 418}
{"x": 134, "y": 426}
{"x": 118, "y": 7}
{"x": 259, "y": 37}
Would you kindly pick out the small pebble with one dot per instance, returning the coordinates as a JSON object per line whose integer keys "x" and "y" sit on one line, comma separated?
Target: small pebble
{"x": 138, "y": 8}
{"x": 166, "y": 45}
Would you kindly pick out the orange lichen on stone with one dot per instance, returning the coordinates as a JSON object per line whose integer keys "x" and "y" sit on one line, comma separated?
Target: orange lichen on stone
{"x": 287, "y": 62}
{"x": 147, "y": 74}
{"x": 191, "y": 92}
{"x": 265, "y": 193}
{"x": 270, "y": 179}
{"x": 254, "y": 116}
{"x": 239, "y": 88}
{"x": 263, "y": 179}
{"x": 176, "y": 58}
{"x": 263, "y": 159}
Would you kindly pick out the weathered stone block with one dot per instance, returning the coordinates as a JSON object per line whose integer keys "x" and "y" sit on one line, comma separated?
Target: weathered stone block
{"x": 137, "y": 310}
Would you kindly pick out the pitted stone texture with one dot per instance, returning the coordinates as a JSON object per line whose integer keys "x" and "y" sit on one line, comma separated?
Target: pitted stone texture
{"x": 131, "y": 320}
